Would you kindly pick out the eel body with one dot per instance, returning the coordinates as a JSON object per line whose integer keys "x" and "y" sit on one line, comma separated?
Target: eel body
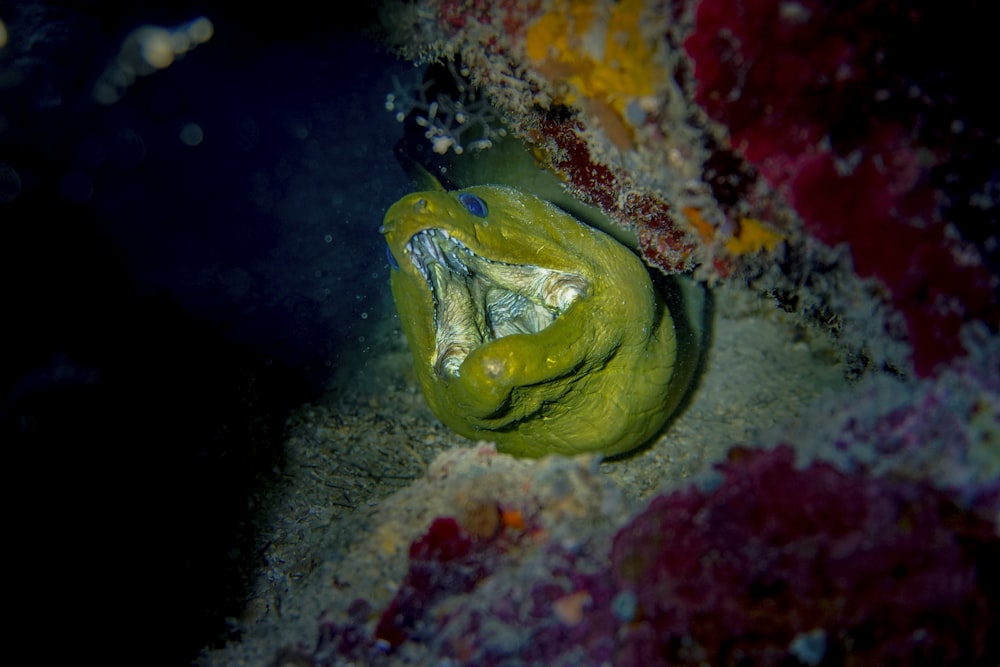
{"x": 529, "y": 328}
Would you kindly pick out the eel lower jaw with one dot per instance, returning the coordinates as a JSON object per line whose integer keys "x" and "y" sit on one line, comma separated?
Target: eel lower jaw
{"x": 478, "y": 300}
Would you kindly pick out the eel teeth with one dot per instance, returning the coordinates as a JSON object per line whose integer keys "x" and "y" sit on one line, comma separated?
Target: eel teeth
{"x": 478, "y": 300}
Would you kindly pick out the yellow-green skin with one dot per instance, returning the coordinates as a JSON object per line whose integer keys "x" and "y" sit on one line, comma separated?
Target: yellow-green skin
{"x": 597, "y": 379}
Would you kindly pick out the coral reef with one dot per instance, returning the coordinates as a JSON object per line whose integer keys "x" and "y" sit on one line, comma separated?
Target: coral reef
{"x": 858, "y": 135}
{"x": 445, "y": 561}
{"x": 827, "y": 568}
{"x": 478, "y": 517}
{"x": 946, "y": 430}
{"x": 750, "y": 139}
{"x": 588, "y": 84}
{"x": 446, "y": 116}
{"x": 617, "y": 79}
{"x": 766, "y": 564}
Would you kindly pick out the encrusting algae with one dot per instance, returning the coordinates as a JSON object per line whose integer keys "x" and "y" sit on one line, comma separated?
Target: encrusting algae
{"x": 607, "y": 59}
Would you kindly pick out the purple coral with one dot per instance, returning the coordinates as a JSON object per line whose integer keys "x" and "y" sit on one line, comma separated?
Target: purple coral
{"x": 780, "y": 565}
{"x": 447, "y": 560}
{"x": 943, "y": 429}
{"x": 558, "y": 610}
{"x": 442, "y": 562}
{"x": 777, "y": 565}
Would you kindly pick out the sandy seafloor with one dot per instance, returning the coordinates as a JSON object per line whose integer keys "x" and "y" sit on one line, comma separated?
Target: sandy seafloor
{"x": 369, "y": 467}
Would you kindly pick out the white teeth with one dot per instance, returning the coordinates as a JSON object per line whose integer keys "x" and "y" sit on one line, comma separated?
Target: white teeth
{"x": 478, "y": 300}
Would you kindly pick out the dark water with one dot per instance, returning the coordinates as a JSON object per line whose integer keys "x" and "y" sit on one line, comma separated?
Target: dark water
{"x": 180, "y": 268}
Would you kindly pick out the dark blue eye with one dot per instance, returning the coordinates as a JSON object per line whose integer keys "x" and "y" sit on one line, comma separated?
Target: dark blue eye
{"x": 473, "y": 204}
{"x": 393, "y": 264}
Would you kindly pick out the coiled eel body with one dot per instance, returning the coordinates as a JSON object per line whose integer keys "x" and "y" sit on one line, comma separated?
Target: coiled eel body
{"x": 531, "y": 329}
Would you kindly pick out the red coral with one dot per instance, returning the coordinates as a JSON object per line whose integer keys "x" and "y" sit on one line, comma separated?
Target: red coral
{"x": 570, "y": 157}
{"x": 775, "y": 565}
{"x": 445, "y": 561}
{"x": 881, "y": 572}
{"x": 455, "y": 13}
{"x": 440, "y": 564}
{"x": 663, "y": 242}
{"x": 818, "y": 97}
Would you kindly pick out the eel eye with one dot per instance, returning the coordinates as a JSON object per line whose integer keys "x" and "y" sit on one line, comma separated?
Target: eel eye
{"x": 473, "y": 204}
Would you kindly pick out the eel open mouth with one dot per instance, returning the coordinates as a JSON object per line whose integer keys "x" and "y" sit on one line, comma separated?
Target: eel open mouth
{"x": 479, "y": 300}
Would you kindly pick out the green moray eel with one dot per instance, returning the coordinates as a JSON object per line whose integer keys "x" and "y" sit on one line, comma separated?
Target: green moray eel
{"x": 529, "y": 328}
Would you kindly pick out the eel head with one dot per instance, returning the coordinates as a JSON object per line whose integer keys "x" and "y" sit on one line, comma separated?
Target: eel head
{"x": 527, "y": 327}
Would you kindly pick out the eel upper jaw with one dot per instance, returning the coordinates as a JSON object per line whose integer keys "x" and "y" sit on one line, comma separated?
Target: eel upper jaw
{"x": 478, "y": 300}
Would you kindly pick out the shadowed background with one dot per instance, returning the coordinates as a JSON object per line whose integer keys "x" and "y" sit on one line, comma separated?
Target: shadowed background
{"x": 183, "y": 263}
